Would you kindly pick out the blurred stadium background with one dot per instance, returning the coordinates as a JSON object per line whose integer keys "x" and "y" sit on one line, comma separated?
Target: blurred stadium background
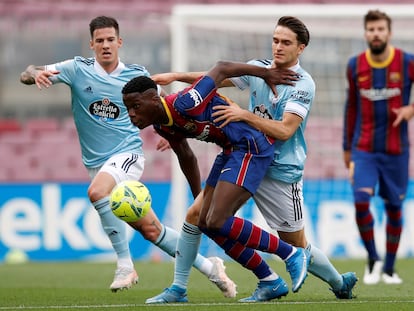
{"x": 38, "y": 141}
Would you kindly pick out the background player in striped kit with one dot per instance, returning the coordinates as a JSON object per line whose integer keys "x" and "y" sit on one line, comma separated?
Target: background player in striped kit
{"x": 111, "y": 146}
{"x": 375, "y": 140}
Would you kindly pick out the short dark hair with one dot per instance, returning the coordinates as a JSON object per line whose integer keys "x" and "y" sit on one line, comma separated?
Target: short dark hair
{"x": 139, "y": 85}
{"x": 376, "y": 15}
{"x": 103, "y": 22}
{"x": 297, "y": 26}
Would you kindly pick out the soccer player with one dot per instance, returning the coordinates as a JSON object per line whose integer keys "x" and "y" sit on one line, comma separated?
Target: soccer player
{"x": 111, "y": 145}
{"x": 375, "y": 139}
{"x": 283, "y": 117}
{"x": 234, "y": 177}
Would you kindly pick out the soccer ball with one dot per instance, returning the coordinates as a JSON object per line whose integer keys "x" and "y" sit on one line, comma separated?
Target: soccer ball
{"x": 130, "y": 200}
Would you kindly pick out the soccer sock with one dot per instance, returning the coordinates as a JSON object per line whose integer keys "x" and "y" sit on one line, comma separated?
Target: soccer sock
{"x": 252, "y": 236}
{"x": 247, "y": 257}
{"x": 116, "y": 231}
{"x": 187, "y": 250}
{"x": 365, "y": 222}
{"x": 393, "y": 231}
{"x": 321, "y": 267}
{"x": 167, "y": 241}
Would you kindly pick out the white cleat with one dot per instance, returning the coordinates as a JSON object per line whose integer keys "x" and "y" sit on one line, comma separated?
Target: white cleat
{"x": 124, "y": 279}
{"x": 219, "y": 277}
{"x": 391, "y": 279}
{"x": 374, "y": 276}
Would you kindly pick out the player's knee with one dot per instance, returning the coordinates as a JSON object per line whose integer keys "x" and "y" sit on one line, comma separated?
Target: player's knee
{"x": 96, "y": 193}
{"x": 362, "y": 195}
{"x": 192, "y": 216}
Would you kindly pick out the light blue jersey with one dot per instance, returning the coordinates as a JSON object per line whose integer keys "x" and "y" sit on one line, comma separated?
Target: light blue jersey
{"x": 290, "y": 155}
{"x": 101, "y": 118}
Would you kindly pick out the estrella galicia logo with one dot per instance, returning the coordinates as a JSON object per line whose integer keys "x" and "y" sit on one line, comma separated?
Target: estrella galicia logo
{"x": 104, "y": 110}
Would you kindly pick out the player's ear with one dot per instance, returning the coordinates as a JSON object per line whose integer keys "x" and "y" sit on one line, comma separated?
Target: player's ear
{"x": 120, "y": 42}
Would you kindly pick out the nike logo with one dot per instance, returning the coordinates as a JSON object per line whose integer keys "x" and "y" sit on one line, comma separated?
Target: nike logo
{"x": 225, "y": 170}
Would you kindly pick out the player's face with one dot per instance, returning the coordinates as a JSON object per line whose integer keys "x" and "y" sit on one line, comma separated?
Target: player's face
{"x": 142, "y": 108}
{"x": 377, "y": 35}
{"x": 285, "y": 47}
{"x": 106, "y": 44}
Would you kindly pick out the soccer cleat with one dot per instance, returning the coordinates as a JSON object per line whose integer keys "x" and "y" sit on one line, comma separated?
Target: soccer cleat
{"x": 268, "y": 290}
{"x": 373, "y": 276}
{"x": 391, "y": 279}
{"x": 297, "y": 266}
{"x": 169, "y": 295}
{"x": 219, "y": 277}
{"x": 124, "y": 279}
{"x": 349, "y": 281}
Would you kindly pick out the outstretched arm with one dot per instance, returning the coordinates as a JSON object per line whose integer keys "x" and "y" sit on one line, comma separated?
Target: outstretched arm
{"x": 272, "y": 76}
{"x": 37, "y": 75}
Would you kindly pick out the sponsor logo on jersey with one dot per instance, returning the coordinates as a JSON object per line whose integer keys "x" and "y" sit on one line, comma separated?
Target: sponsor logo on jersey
{"x": 105, "y": 110}
{"x": 204, "y": 134}
{"x": 380, "y": 94}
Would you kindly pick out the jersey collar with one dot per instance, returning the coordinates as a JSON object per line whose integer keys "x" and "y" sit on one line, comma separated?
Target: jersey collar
{"x": 167, "y": 110}
{"x": 102, "y": 72}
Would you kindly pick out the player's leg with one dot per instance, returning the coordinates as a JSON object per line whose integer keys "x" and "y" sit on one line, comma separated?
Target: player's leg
{"x": 186, "y": 256}
{"x": 220, "y": 222}
{"x": 393, "y": 187}
{"x": 104, "y": 180}
{"x": 281, "y": 205}
{"x": 364, "y": 176}
{"x": 270, "y": 285}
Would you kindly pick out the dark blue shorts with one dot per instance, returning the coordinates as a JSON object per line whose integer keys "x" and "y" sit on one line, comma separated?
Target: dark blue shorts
{"x": 388, "y": 172}
{"x": 241, "y": 168}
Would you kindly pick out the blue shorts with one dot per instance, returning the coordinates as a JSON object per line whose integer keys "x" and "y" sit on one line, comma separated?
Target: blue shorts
{"x": 389, "y": 172}
{"x": 241, "y": 168}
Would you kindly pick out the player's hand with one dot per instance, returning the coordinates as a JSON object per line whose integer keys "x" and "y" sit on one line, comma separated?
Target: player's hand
{"x": 347, "y": 158}
{"x": 164, "y": 78}
{"x": 277, "y": 76}
{"x": 42, "y": 78}
{"x": 163, "y": 145}
{"x": 227, "y": 114}
{"x": 403, "y": 113}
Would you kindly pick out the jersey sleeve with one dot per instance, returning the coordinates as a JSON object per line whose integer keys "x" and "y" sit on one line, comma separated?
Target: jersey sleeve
{"x": 66, "y": 71}
{"x": 301, "y": 97}
{"x": 350, "y": 106}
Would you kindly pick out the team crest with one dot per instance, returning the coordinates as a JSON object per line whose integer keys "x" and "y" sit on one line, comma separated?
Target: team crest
{"x": 190, "y": 127}
{"x": 395, "y": 77}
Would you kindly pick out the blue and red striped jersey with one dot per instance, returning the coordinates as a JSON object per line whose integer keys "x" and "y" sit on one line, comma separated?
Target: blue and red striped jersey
{"x": 374, "y": 89}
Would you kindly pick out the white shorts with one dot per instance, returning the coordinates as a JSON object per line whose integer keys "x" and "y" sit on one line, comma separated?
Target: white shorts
{"x": 122, "y": 166}
{"x": 281, "y": 204}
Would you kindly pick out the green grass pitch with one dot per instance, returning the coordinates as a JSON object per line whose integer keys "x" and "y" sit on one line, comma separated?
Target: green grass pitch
{"x": 84, "y": 286}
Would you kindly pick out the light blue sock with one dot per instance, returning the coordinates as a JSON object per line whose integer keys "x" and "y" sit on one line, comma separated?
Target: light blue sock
{"x": 187, "y": 250}
{"x": 167, "y": 241}
{"x": 113, "y": 227}
{"x": 321, "y": 267}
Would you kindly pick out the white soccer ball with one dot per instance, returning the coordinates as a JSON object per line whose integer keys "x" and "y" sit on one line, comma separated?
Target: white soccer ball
{"x": 130, "y": 200}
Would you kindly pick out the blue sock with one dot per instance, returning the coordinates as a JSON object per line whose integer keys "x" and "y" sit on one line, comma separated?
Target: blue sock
{"x": 187, "y": 250}
{"x": 113, "y": 227}
{"x": 321, "y": 267}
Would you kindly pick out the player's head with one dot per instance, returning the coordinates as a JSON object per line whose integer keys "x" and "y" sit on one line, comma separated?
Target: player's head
{"x": 105, "y": 41}
{"x": 377, "y": 26}
{"x": 290, "y": 38}
{"x": 140, "y": 96}
{"x": 103, "y": 22}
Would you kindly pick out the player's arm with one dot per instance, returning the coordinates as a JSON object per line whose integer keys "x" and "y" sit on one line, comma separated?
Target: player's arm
{"x": 188, "y": 164}
{"x": 37, "y": 75}
{"x": 280, "y": 130}
{"x": 272, "y": 76}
